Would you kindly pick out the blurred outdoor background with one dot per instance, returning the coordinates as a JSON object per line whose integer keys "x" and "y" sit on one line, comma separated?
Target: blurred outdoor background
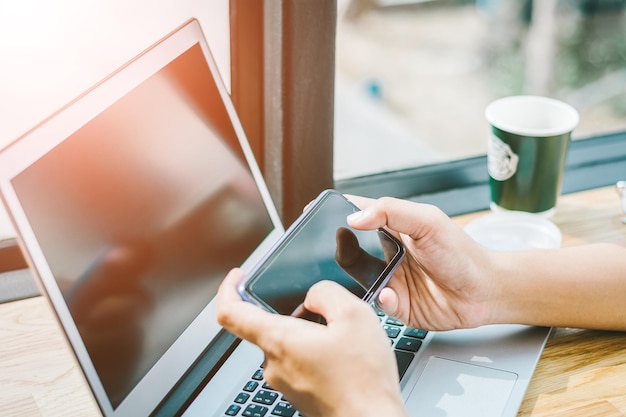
{"x": 414, "y": 77}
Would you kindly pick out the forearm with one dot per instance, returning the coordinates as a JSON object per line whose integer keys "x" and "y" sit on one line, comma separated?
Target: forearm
{"x": 581, "y": 286}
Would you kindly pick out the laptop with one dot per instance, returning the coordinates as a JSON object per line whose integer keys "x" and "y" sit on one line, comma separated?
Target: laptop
{"x": 133, "y": 202}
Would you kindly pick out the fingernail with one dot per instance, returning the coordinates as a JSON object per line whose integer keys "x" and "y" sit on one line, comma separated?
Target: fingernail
{"x": 356, "y": 216}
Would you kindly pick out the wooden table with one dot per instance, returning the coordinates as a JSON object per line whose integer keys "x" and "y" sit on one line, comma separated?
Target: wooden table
{"x": 581, "y": 372}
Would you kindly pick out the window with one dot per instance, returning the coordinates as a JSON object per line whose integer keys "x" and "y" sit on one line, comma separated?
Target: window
{"x": 413, "y": 77}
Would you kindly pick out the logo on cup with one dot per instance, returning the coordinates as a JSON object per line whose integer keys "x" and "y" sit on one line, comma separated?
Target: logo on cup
{"x": 501, "y": 160}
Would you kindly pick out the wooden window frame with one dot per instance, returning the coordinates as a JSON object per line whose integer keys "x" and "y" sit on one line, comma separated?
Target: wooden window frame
{"x": 282, "y": 85}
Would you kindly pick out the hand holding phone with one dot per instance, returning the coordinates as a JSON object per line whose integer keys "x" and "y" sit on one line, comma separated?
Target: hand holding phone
{"x": 320, "y": 245}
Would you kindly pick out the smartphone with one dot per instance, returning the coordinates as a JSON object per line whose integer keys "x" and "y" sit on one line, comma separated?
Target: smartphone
{"x": 320, "y": 245}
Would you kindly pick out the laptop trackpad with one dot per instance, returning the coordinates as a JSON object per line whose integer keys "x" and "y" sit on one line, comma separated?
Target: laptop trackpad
{"x": 452, "y": 388}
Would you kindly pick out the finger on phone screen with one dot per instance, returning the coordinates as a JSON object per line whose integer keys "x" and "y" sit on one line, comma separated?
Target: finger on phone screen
{"x": 360, "y": 202}
{"x": 329, "y": 300}
{"x": 402, "y": 216}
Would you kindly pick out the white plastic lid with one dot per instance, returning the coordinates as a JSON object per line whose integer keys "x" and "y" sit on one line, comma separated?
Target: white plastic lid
{"x": 514, "y": 230}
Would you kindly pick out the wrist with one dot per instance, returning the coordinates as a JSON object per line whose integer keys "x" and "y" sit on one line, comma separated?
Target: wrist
{"x": 508, "y": 284}
{"x": 524, "y": 289}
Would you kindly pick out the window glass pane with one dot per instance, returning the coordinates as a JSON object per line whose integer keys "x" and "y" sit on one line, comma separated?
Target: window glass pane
{"x": 413, "y": 77}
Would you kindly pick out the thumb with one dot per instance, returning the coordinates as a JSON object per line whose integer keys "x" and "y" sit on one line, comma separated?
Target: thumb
{"x": 330, "y": 300}
{"x": 388, "y": 301}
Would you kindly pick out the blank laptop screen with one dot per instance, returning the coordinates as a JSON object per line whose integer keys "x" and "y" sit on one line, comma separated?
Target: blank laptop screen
{"x": 141, "y": 213}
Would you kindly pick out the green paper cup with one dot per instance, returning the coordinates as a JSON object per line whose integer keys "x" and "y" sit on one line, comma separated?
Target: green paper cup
{"x": 526, "y": 151}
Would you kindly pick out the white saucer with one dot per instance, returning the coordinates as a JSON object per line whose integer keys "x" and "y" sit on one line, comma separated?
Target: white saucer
{"x": 514, "y": 230}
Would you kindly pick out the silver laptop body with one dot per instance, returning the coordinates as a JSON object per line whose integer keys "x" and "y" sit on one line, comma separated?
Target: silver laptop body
{"x": 131, "y": 204}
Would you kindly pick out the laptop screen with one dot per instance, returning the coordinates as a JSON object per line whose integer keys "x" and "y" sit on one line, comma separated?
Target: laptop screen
{"x": 140, "y": 213}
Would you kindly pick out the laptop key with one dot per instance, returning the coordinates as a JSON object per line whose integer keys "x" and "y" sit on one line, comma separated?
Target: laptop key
{"x": 395, "y": 322}
{"x": 267, "y": 386}
{"x": 417, "y": 333}
{"x": 265, "y": 397}
{"x": 403, "y": 359}
{"x": 242, "y": 397}
{"x": 392, "y": 331}
{"x": 233, "y": 410}
{"x": 250, "y": 386}
{"x": 255, "y": 410}
{"x": 407, "y": 343}
{"x": 284, "y": 410}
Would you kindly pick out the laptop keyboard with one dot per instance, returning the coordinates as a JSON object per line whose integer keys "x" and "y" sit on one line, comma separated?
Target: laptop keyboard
{"x": 258, "y": 399}
{"x": 406, "y": 341}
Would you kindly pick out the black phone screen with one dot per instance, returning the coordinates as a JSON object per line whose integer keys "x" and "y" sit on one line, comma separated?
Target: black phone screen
{"x": 321, "y": 246}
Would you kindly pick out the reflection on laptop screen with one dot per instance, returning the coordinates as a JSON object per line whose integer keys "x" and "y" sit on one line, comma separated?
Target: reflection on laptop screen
{"x": 153, "y": 203}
